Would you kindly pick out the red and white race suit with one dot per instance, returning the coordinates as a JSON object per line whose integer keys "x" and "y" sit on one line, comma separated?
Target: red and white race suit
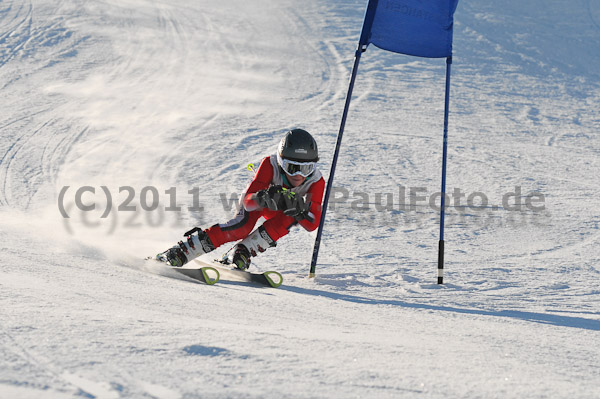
{"x": 277, "y": 224}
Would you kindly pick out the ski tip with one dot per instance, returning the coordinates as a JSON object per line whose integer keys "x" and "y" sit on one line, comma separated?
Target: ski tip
{"x": 274, "y": 279}
{"x": 207, "y": 271}
{"x": 208, "y": 275}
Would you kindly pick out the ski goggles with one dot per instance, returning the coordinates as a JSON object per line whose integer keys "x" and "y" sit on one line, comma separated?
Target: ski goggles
{"x": 294, "y": 168}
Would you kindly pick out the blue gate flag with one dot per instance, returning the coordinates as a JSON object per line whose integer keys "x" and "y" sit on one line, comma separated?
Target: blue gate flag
{"x": 422, "y": 28}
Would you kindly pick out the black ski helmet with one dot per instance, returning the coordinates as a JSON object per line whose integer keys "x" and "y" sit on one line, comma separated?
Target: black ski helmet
{"x": 298, "y": 145}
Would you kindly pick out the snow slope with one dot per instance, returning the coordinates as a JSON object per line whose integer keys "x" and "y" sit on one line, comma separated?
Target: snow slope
{"x": 181, "y": 96}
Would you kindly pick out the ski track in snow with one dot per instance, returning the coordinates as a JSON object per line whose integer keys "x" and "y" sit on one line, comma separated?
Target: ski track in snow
{"x": 184, "y": 95}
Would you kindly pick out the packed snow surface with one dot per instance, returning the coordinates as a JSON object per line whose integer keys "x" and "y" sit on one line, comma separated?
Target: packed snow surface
{"x": 156, "y": 108}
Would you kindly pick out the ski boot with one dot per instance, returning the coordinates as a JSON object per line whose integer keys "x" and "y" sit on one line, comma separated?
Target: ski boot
{"x": 241, "y": 257}
{"x": 258, "y": 241}
{"x": 185, "y": 251}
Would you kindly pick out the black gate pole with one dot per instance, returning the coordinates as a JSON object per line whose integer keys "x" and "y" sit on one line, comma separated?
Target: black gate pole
{"x": 313, "y": 264}
{"x": 440, "y": 278}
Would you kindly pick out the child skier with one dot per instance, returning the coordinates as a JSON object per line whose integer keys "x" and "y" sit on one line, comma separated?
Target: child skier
{"x": 287, "y": 190}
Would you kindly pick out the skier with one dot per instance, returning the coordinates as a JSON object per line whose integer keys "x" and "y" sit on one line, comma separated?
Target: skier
{"x": 287, "y": 190}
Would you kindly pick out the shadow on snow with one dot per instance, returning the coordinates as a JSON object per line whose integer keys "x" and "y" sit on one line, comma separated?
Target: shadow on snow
{"x": 543, "y": 318}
